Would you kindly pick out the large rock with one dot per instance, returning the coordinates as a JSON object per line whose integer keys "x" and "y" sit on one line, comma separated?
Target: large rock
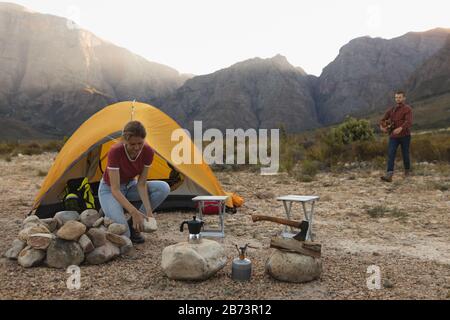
{"x": 97, "y": 236}
{"x": 30, "y": 257}
{"x": 86, "y": 244}
{"x": 117, "y": 228}
{"x": 293, "y": 267}
{"x": 31, "y": 219}
{"x": 72, "y": 230}
{"x": 62, "y": 253}
{"x": 107, "y": 221}
{"x": 27, "y": 232}
{"x": 150, "y": 225}
{"x": 185, "y": 261}
{"x": 103, "y": 254}
{"x": 40, "y": 241}
{"x": 89, "y": 217}
{"x": 98, "y": 223}
{"x": 16, "y": 248}
{"x": 51, "y": 224}
{"x": 116, "y": 239}
{"x": 64, "y": 216}
{"x": 127, "y": 247}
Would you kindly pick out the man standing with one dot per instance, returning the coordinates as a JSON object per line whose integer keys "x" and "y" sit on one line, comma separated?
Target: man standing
{"x": 397, "y": 121}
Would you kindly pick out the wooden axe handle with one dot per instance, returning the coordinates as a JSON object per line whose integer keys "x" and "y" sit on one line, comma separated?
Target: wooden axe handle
{"x": 285, "y": 222}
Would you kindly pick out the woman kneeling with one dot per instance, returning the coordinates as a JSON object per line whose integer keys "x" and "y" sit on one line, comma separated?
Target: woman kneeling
{"x": 127, "y": 159}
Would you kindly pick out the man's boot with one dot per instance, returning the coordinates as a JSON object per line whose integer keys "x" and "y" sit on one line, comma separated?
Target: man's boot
{"x": 387, "y": 177}
{"x": 135, "y": 236}
{"x": 407, "y": 173}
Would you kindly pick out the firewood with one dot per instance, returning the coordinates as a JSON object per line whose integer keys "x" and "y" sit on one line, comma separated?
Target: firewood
{"x": 292, "y": 245}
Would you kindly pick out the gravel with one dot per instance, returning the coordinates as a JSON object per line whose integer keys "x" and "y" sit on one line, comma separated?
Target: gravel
{"x": 413, "y": 257}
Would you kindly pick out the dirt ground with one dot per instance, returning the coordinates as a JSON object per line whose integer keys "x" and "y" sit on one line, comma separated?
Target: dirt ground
{"x": 410, "y": 242}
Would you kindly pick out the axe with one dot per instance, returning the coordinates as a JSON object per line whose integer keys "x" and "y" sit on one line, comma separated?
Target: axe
{"x": 303, "y": 226}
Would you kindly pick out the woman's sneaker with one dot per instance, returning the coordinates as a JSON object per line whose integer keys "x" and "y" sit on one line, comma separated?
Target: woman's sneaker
{"x": 135, "y": 237}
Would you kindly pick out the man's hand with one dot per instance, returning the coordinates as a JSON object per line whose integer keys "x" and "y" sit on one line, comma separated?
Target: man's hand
{"x": 138, "y": 220}
{"x": 397, "y": 131}
{"x": 383, "y": 129}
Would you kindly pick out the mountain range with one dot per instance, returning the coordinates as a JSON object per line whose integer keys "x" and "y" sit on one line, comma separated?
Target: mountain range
{"x": 54, "y": 75}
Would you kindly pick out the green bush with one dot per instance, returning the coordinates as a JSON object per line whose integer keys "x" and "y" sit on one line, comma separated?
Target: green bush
{"x": 353, "y": 140}
{"x": 310, "y": 168}
{"x": 349, "y": 131}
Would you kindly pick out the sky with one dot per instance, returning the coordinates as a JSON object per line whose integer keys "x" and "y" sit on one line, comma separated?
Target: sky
{"x": 203, "y": 36}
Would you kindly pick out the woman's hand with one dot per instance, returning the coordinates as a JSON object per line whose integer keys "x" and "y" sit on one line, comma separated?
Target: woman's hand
{"x": 138, "y": 220}
{"x": 150, "y": 214}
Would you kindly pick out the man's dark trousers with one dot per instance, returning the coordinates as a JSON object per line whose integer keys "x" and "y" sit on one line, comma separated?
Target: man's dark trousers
{"x": 404, "y": 142}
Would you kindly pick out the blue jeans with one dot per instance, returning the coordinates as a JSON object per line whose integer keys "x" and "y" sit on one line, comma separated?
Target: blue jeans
{"x": 157, "y": 193}
{"x": 404, "y": 142}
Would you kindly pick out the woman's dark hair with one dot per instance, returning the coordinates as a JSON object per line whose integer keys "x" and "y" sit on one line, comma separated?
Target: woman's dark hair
{"x": 134, "y": 129}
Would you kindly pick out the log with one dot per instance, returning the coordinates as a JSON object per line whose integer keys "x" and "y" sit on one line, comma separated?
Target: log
{"x": 291, "y": 245}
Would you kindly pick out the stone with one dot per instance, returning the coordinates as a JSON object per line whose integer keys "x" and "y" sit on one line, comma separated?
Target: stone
{"x": 103, "y": 254}
{"x": 40, "y": 241}
{"x": 388, "y": 284}
{"x": 62, "y": 253}
{"x": 117, "y": 228}
{"x": 25, "y": 233}
{"x": 30, "y": 257}
{"x": 127, "y": 247}
{"x": 101, "y": 213}
{"x": 71, "y": 230}
{"x": 115, "y": 239}
{"x": 107, "y": 221}
{"x": 97, "y": 236}
{"x": 31, "y": 219}
{"x": 17, "y": 246}
{"x": 51, "y": 223}
{"x": 188, "y": 261}
{"x": 150, "y": 225}
{"x": 64, "y": 216}
{"x": 86, "y": 244}
{"x": 98, "y": 223}
{"x": 89, "y": 217}
{"x": 293, "y": 267}
{"x": 33, "y": 224}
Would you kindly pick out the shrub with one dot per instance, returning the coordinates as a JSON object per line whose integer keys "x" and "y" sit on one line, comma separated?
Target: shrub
{"x": 377, "y": 211}
{"x": 310, "y": 168}
{"x": 351, "y": 130}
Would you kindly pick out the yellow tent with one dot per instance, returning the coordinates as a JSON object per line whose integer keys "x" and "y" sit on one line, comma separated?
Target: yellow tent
{"x": 85, "y": 155}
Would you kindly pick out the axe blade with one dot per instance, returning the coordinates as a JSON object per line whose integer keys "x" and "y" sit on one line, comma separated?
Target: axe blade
{"x": 301, "y": 236}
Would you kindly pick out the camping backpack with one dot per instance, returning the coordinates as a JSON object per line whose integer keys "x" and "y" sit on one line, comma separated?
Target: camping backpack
{"x": 77, "y": 195}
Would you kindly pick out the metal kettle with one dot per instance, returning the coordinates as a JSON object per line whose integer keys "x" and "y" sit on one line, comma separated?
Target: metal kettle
{"x": 194, "y": 226}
